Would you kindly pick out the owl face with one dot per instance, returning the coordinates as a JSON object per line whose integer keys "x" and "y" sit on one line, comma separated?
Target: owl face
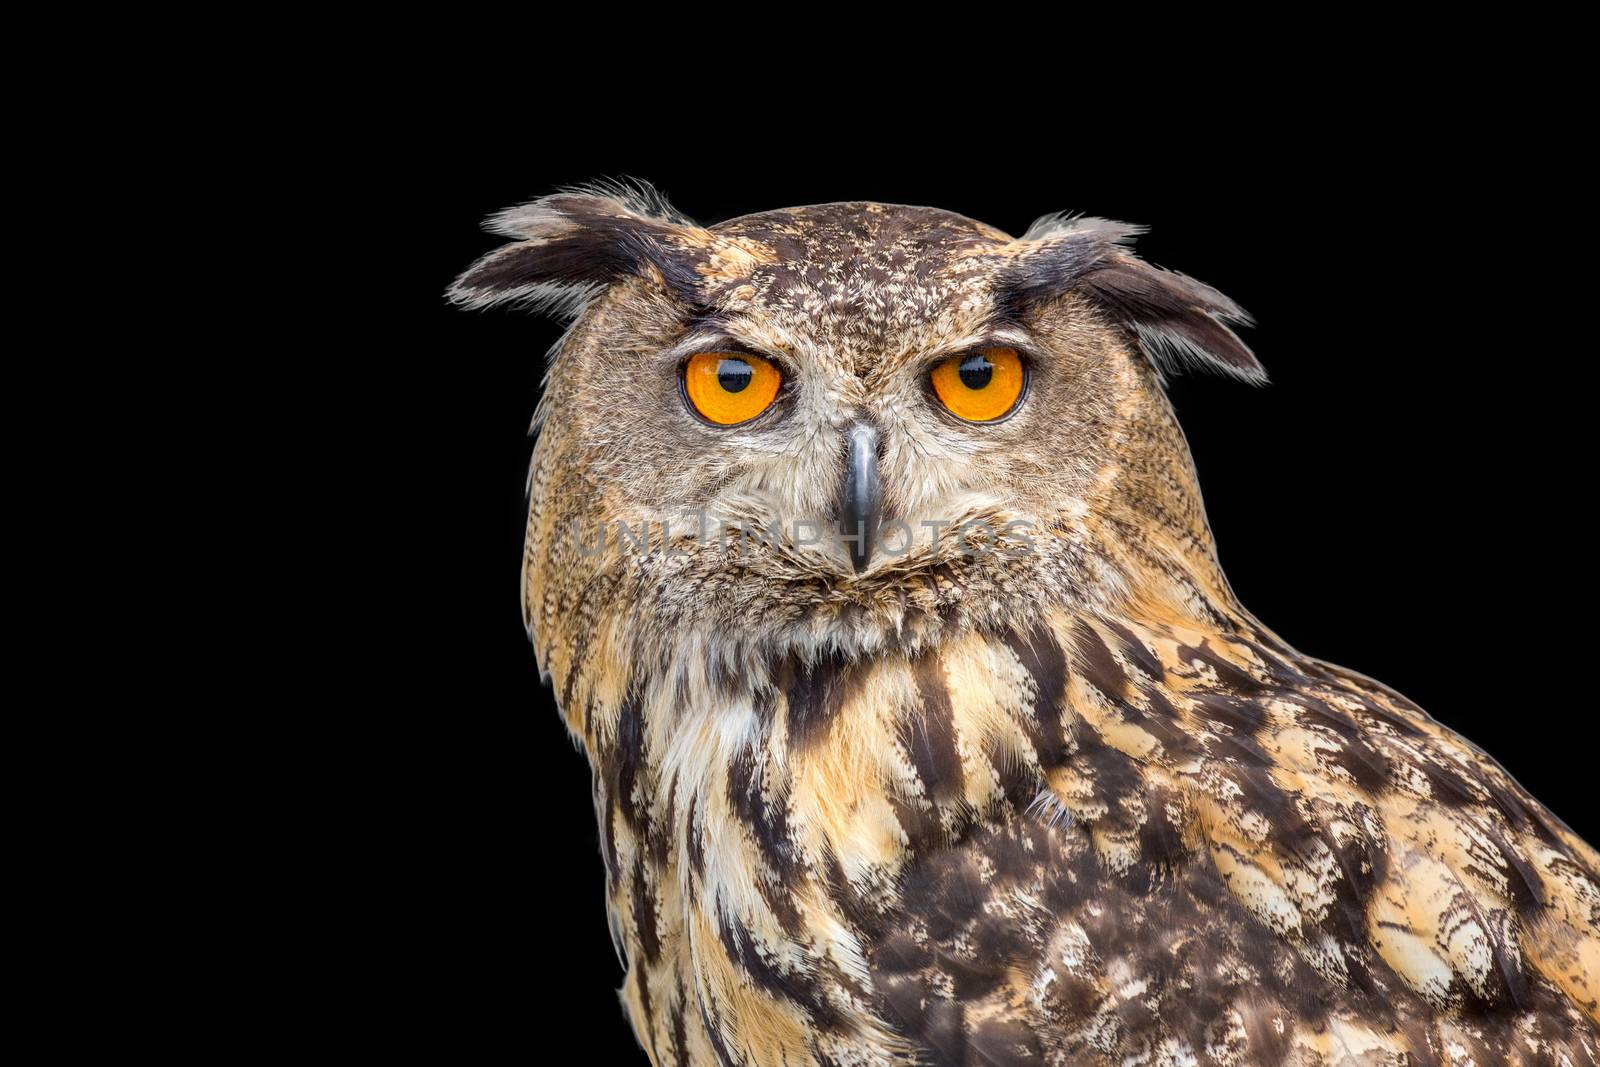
{"x": 842, "y": 420}
{"x": 864, "y": 449}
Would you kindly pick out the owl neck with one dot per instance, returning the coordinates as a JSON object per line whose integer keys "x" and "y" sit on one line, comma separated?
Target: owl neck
{"x": 689, "y": 725}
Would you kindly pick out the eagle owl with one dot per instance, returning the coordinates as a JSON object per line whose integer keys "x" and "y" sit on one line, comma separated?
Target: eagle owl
{"x": 867, "y": 562}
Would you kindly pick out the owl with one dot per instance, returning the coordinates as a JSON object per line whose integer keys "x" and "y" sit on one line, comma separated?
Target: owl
{"x": 867, "y": 563}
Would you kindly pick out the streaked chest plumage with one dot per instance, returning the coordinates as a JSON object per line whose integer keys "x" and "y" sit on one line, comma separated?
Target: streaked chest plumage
{"x": 1143, "y": 841}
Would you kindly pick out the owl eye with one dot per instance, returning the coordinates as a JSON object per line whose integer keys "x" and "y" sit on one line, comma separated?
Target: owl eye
{"x": 980, "y": 386}
{"x": 728, "y": 388}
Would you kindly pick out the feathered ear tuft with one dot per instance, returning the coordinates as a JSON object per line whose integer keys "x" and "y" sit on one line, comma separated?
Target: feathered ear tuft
{"x": 573, "y": 243}
{"x": 1177, "y": 321}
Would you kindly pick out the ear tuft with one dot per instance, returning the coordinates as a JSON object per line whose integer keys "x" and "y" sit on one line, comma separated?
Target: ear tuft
{"x": 1180, "y": 323}
{"x": 1064, "y": 223}
{"x": 573, "y": 243}
{"x": 1177, "y": 321}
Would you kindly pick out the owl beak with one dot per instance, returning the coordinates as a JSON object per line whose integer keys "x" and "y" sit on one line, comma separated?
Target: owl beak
{"x": 858, "y": 504}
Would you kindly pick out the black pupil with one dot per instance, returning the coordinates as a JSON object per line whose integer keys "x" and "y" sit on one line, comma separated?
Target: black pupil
{"x": 734, "y": 374}
{"x": 976, "y": 372}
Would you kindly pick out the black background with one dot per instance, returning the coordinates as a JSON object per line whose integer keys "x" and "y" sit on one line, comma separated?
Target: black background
{"x": 1407, "y": 498}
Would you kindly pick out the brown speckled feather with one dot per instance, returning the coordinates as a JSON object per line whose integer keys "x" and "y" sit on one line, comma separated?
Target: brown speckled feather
{"x": 1074, "y": 806}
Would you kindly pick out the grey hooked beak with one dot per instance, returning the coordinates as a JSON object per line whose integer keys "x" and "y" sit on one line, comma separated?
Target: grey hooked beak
{"x": 859, "y": 498}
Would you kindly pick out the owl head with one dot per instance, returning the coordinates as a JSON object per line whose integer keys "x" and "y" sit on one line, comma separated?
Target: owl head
{"x": 829, "y": 429}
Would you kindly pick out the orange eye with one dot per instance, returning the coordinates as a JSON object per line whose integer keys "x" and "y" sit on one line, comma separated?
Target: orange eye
{"x": 730, "y": 387}
{"x": 980, "y": 386}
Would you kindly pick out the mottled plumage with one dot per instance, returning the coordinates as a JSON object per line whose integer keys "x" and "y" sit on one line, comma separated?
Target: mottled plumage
{"x": 1067, "y": 804}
